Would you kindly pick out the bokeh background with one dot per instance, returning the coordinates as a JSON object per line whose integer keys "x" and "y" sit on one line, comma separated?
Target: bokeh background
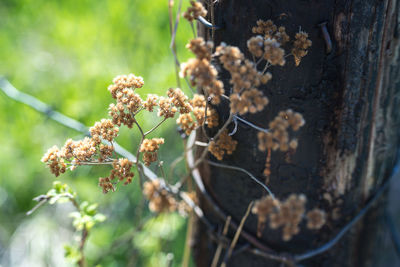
{"x": 66, "y": 53}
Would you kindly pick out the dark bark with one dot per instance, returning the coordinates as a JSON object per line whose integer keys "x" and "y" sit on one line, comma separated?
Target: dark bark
{"x": 349, "y": 99}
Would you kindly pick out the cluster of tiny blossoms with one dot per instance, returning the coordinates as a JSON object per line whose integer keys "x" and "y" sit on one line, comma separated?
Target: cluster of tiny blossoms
{"x": 277, "y": 137}
{"x": 159, "y": 198}
{"x": 121, "y": 171}
{"x": 245, "y": 78}
{"x": 198, "y": 104}
{"x": 195, "y": 10}
{"x": 300, "y": 46}
{"x": 128, "y": 102}
{"x": 149, "y": 148}
{"x": 200, "y": 70}
{"x": 268, "y": 30}
{"x": 223, "y": 145}
{"x": 268, "y": 44}
{"x": 90, "y": 150}
{"x": 288, "y": 213}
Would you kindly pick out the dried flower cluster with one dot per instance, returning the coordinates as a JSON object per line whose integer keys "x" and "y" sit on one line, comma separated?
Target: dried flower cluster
{"x": 270, "y": 31}
{"x": 91, "y": 150}
{"x": 179, "y": 100}
{"x": 300, "y": 46}
{"x": 198, "y": 106}
{"x": 315, "y": 219}
{"x": 128, "y": 102}
{"x": 263, "y": 208}
{"x": 159, "y": 199}
{"x": 199, "y": 109}
{"x": 278, "y": 136}
{"x": 121, "y": 171}
{"x": 268, "y": 44}
{"x": 166, "y": 108}
{"x": 149, "y": 148}
{"x": 251, "y": 100}
{"x": 200, "y": 70}
{"x": 224, "y": 144}
{"x": 104, "y": 129}
{"x": 288, "y": 213}
{"x": 274, "y": 54}
{"x": 150, "y": 102}
{"x": 195, "y": 10}
{"x": 245, "y": 78}
{"x": 82, "y": 151}
{"x": 54, "y": 161}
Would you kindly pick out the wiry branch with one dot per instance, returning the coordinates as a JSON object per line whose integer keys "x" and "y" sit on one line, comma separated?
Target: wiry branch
{"x": 244, "y": 171}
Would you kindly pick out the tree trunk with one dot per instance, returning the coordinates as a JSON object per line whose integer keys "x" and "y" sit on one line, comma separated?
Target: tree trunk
{"x": 349, "y": 99}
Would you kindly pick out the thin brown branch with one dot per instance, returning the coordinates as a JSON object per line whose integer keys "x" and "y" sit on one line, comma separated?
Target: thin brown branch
{"x": 154, "y": 128}
{"x": 244, "y": 171}
{"x": 237, "y": 234}
{"x": 84, "y": 236}
{"x": 220, "y": 244}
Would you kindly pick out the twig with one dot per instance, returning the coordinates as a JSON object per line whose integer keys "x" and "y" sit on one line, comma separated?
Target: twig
{"x": 237, "y": 234}
{"x": 246, "y": 172}
{"x": 42, "y": 199}
{"x": 219, "y": 248}
{"x": 84, "y": 236}
{"x": 212, "y": 19}
{"x": 154, "y": 128}
{"x": 41, "y": 203}
{"x": 174, "y": 163}
{"x": 170, "y": 5}
{"x": 188, "y": 240}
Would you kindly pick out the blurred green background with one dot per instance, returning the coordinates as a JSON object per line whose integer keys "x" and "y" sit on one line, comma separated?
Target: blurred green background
{"x": 66, "y": 53}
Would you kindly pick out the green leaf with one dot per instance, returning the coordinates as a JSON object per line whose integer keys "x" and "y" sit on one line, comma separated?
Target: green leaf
{"x": 72, "y": 253}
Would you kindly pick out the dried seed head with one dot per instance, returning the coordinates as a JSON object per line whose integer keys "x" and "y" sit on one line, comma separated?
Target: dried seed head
{"x": 224, "y": 144}
{"x": 300, "y": 46}
{"x": 315, "y": 219}
{"x": 195, "y": 10}
{"x": 273, "y": 53}
{"x": 159, "y": 199}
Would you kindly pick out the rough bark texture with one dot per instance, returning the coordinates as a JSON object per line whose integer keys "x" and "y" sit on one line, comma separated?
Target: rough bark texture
{"x": 349, "y": 99}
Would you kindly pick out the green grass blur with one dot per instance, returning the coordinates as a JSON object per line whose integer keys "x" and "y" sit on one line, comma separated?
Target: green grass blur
{"x": 66, "y": 53}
